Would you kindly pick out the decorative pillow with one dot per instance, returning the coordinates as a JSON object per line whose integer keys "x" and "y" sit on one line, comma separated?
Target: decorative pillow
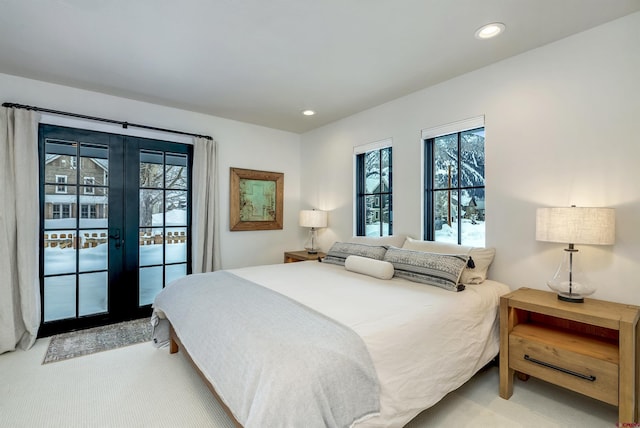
{"x": 480, "y": 258}
{"x": 389, "y": 241}
{"x": 375, "y": 268}
{"x": 441, "y": 270}
{"x": 339, "y": 251}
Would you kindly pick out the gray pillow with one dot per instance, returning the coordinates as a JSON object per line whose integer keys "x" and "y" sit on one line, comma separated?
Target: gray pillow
{"x": 339, "y": 251}
{"x": 441, "y": 270}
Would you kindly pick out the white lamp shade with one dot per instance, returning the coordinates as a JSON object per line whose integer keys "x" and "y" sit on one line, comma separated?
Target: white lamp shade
{"x": 576, "y": 225}
{"x": 313, "y": 218}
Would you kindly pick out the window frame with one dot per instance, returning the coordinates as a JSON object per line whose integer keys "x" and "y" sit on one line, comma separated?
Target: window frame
{"x": 62, "y": 210}
{"x": 89, "y": 183}
{"x": 91, "y": 211}
{"x": 61, "y": 186}
{"x": 428, "y": 141}
{"x": 360, "y": 211}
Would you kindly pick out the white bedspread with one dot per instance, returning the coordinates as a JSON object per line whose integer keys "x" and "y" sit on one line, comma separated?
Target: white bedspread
{"x": 424, "y": 341}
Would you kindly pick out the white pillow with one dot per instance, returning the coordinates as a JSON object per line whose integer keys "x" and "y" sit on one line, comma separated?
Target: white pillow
{"x": 375, "y": 268}
{"x": 482, "y": 257}
{"x": 393, "y": 240}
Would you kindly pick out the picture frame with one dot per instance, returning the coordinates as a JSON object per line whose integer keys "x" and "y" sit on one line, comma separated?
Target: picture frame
{"x": 256, "y": 200}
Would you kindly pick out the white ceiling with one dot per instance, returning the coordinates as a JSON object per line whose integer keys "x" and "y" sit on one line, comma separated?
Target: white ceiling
{"x": 264, "y": 61}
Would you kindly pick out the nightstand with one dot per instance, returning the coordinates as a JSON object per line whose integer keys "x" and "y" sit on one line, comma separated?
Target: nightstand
{"x": 591, "y": 347}
{"x": 301, "y": 256}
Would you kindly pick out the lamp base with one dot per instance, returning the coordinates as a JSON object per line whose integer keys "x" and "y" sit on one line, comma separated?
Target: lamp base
{"x": 312, "y": 252}
{"x": 569, "y": 282}
{"x": 571, "y": 299}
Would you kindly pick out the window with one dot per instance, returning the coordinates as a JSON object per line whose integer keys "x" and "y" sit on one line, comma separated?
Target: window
{"x": 61, "y": 181}
{"x": 88, "y": 211}
{"x": 60, "y": 211}
{"x": 454, "y": 203}
{"x": 89, "y": 183}
{"x": 374, "y": 213}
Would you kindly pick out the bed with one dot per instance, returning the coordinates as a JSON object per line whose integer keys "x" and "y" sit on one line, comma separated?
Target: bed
{"x": 412, "y": 343}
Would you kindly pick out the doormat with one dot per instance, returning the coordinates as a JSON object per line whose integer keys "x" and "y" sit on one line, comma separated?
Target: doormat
{"x": 84, "y": 342}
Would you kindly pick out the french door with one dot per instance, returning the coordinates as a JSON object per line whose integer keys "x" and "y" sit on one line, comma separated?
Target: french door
{"x": 115, "y": 225}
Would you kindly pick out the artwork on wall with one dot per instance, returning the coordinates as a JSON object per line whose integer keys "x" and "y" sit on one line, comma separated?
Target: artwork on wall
{"x": 256, "y": 200}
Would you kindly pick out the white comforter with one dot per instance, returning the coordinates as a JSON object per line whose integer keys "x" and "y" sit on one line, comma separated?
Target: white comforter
{"x": 424, "y": 341}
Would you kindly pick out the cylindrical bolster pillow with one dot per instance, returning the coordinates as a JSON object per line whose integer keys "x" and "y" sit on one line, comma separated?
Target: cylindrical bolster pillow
{"x": 376, "y": 268}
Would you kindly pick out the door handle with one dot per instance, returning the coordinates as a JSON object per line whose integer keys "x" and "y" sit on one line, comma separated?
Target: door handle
{"x": 116, "y": 236}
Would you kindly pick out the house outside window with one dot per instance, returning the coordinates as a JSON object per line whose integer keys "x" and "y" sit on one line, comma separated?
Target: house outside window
{"x": 374, "y": 202}
{"x": 454, "y": 198}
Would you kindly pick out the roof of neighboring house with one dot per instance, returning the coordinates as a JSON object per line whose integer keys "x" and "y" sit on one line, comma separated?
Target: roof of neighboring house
{"x": 102, "y": 163}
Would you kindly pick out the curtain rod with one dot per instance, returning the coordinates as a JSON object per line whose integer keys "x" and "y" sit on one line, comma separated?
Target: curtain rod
{"x": 124, "y": 125}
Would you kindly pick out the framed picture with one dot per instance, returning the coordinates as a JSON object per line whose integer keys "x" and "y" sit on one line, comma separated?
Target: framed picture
{"x": 256, "y": 200}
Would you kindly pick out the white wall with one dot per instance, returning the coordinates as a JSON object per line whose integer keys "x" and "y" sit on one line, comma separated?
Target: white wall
{"x": 240, "y": 145}
{"x": 562, "y": 128}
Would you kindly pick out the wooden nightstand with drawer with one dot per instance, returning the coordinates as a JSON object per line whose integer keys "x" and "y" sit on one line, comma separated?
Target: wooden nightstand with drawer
{"x": 301, "y": 256}
{"x": 591, "y": 347}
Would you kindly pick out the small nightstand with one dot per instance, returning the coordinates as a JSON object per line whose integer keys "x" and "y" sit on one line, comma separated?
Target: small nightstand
{"x": 591, "y": 347}
{"x": 301, "y": 256}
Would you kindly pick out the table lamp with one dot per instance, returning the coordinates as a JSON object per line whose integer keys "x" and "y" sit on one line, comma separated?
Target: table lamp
{"x": 574, "y": 225}
{"x": 313, "y": 219}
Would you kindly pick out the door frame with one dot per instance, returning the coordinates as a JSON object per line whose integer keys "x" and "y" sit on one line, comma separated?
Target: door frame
{"x": 123, "y": 262}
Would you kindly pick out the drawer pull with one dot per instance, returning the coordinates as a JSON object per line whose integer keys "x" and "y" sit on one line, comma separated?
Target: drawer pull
{"x": 560, "y": 369}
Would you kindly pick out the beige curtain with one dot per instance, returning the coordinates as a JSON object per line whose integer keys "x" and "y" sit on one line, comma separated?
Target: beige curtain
{"x": 205, "y": 207}
{"x": 19, "y": 226}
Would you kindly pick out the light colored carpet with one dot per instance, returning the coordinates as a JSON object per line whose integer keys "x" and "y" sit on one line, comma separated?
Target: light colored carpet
{"x": 84, "y": 342}
{"x": 141, "y": 386}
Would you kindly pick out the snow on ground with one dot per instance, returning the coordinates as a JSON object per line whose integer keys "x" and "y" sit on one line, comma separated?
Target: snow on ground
{"x": 473, "y": 235}
{"x": 59, "y": 291}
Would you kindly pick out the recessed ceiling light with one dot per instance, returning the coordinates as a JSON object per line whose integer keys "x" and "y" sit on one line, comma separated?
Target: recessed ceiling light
{"x": 490, "y": 30}
{"x": 308, "y": 112}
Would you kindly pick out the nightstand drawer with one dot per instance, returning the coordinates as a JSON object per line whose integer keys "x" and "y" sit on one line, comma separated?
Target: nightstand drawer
{"x": 565, "y": 362}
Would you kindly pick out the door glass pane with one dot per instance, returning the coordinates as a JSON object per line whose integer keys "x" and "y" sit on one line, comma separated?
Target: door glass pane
{"x": 94, "y": 164}
{"x": 151, "y": 208}
{"x": 94, "y": 208}
{"x": 150, "y": 284}
{"x": 174, "y": 272}
{"x": 94, "y": 250}
{"x": 176, "y": 208}
{"x": 60, "y": 163}
{"x": 93, "y": 292}
{"x": 59, "y": 208}
{"x": 151, "y": 169}
{"x": 176, "y": 248}
{"x": 176, "y": 171}
{"x": 164, "y": 199}
{"x": 446, "y": 216}
{"x": 59, "y": 297}
{"x": 76, "y": 229}
{"x": 150, "y": 242}
{"x": 59, "y": 252}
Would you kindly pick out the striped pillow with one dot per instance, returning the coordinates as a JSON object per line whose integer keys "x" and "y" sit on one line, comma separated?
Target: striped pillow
{"x": 441, "y": 270}
{"x": 339, "y": 251}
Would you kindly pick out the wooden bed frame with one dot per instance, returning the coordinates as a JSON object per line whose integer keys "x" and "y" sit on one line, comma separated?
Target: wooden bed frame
{"x": 174, "y": 346}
